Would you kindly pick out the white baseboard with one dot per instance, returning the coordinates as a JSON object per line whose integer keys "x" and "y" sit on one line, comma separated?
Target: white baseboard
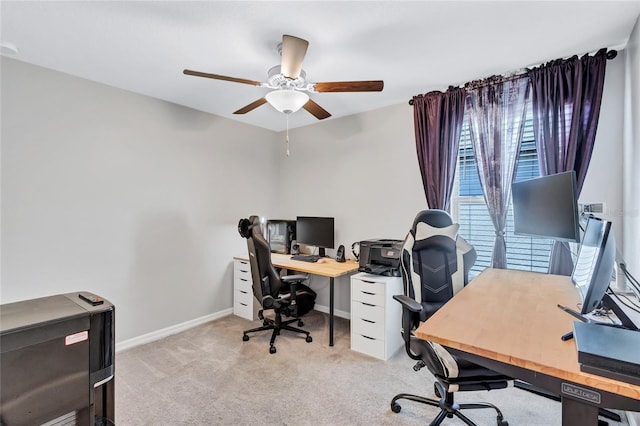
{"x": 633, "y": 418}
{"x": 161, "y": 334}
{"x": 336, "y": 312}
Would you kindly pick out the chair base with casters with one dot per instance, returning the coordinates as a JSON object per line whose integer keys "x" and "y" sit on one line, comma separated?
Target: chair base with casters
{"x": 276, "y": 325}
{"x": 448, "y": 408}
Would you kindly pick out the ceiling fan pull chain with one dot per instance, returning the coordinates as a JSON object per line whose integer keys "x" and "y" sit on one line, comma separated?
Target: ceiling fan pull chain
{"x": 287, "y": 139}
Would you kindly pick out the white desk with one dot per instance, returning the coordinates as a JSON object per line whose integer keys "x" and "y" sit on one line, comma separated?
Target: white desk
{"x": 330, "y": 268}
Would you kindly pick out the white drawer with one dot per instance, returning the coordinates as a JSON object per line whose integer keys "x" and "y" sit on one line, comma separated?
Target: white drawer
{"x": 367, "y": 327}
{"x": 370, "y": 292}
{"x": 369, "y": 312}
{"x": 243, "y": 310}
{"x": 241, "y": 267}
{"x": 243, "y": 296}
{"x": 366, "y": 345}
{"x": 242, "y": 283}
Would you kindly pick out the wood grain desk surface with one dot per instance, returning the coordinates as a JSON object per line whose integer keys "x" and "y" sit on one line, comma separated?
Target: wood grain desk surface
{"x": 330, "y": 268}
{"x": 512, "y": 317}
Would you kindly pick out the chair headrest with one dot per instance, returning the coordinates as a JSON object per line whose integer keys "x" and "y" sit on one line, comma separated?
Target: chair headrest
{"x": 246, "y": 225}
{"x": 434, "y": 218}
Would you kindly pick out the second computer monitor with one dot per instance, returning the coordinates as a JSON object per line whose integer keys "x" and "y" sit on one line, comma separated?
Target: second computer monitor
{"x": 315, "y": 231}
{"x": 595, "y": 263}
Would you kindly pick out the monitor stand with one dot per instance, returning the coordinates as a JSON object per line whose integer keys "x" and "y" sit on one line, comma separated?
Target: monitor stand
{"x": 609, "y": 303}
{"x": 321, "y": 252}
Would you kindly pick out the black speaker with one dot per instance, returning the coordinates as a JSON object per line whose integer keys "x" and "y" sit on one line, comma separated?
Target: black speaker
{"x": 340, "y": 254}
{"x": 295, "y": 248}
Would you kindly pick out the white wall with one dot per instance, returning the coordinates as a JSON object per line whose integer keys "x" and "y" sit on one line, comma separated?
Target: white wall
{"x": 363, "y": 170}
{"x": 631, "y": 205}
{"x": 132, "y": 197}
{"x": 123, "y": 195}
{"x": 603, "y": 182}
{"x": 360, "y": 169}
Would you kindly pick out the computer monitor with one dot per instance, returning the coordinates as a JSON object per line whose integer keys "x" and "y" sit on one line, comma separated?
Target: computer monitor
{"x": 280, "y": 235}
{"x": 595, "y": 263}
{"x": 315, "y": 231}
{"x": 547, "y": 207}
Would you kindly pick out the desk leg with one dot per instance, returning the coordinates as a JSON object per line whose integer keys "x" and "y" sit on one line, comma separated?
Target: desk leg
{"x": 575, "y": 413}
{"x": 331, "y": 311}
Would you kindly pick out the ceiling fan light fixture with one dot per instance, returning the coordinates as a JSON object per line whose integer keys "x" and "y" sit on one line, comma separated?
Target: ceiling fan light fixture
{"x": 287, "y": 100}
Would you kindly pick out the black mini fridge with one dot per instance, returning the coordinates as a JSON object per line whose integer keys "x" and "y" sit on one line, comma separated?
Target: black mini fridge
{"x": 57, "y": 361}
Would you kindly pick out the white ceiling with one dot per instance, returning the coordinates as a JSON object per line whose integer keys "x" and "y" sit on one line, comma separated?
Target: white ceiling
{"x": 414, "y": 46}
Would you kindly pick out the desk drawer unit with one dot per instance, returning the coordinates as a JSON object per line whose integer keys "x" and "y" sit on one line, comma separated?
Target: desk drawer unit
{"x": 376, "y": 319}
{"x": 243, "y": 299}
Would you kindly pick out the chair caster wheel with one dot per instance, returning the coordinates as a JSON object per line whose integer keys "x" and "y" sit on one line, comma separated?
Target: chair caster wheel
{"x": 265, "y": 323}
{"x": 300, "y": 323}
{"x": 436, "y": 391}
{"x": 309, "y": 339}
{"x": 272, "y": 350}
{"x": 245, "y": 338}
{"x": 502, "y": 422}
{"x": 395, "y": 407}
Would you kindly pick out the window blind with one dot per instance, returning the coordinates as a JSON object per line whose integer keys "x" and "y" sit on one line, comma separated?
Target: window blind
{"x": 470, "y": 210}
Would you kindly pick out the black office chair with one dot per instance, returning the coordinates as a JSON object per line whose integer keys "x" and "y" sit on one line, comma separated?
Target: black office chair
{"x": 285, "y": 295}
{"x": 431, "y": 277}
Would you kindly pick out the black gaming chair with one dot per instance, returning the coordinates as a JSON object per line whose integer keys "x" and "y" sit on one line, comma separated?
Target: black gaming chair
{"x": 432, "y": 275}
{"x": 285, "y": 295}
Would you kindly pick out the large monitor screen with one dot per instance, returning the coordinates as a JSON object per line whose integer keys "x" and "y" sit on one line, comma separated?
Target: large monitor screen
{"x": 315, "y": 231}
{"x": 595, "y": 263}
{"x": 547, "y": 207}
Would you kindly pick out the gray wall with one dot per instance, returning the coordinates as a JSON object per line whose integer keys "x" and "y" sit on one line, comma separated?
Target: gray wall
{"x": 631, "y": 205}
{"x": 364, "y": 171}
{"x": 135, "y": 198}
{"x": 127, "y": 196}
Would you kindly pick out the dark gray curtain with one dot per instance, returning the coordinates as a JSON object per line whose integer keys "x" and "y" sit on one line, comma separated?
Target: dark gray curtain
{"x": 496, "y": 108}
{"x": 566, "y": 96}
{"x": 437, "y": 120}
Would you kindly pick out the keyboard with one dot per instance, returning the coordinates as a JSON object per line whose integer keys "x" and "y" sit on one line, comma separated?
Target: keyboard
{"x": 306, "y": 257}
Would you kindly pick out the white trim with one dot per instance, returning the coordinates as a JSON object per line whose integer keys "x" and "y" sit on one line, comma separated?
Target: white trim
{"x": 336, "y": 312}
{"x": 633, "y": 418}
{"x": 161, "y": 334}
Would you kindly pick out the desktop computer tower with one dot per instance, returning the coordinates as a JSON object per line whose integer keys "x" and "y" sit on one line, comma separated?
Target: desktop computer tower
{"x": 57, "y": 361}
{"x": 280, "y": 235}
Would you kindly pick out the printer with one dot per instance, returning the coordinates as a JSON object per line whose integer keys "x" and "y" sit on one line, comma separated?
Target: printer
{"x": 380, "y": 257}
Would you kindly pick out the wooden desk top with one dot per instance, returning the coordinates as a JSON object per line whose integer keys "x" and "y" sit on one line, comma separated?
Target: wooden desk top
{"x": 330, "y": 268}
{"x": 512, "y": 317}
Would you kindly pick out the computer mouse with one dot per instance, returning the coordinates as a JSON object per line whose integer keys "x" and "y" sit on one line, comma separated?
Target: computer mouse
{"x": 322, "y": 260}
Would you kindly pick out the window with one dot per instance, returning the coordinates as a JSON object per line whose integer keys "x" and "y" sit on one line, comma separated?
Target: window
{"x": 470, "y": 211}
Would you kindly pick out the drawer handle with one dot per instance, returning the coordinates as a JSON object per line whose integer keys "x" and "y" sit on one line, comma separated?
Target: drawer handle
{"x": 367, "y": 304}
{"x": 242, "y": 291}
{"x": 242, "y": 279}
{"x": 368, "y": 282}
{"x": 242, "y": 270}
{"x": 369, "y": 293}
{"x": 243, "y": 304}
{"x": 367, "y": 337}
{"x": 369, "y": 321}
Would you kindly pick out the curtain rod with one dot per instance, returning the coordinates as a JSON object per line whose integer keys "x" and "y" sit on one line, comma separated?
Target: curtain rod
{"x": 611, "y": 54}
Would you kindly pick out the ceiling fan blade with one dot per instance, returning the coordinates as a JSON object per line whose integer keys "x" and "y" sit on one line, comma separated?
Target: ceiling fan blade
{"x": 316, "y": 110}
{"x": 253, "y": 105}
{"x": 221, "y": 77}
{"x": 293, "y": 51}
{"x": 350, "y": 86}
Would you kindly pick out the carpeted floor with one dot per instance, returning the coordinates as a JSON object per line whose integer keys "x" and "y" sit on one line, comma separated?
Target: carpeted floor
{"x": 208, "y": 376}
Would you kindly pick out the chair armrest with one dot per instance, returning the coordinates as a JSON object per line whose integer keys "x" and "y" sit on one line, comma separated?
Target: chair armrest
{"x": 408, "y": 303}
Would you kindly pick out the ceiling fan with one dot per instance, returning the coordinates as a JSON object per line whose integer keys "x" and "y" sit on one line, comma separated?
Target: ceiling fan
{"x": 288, "y": 81}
